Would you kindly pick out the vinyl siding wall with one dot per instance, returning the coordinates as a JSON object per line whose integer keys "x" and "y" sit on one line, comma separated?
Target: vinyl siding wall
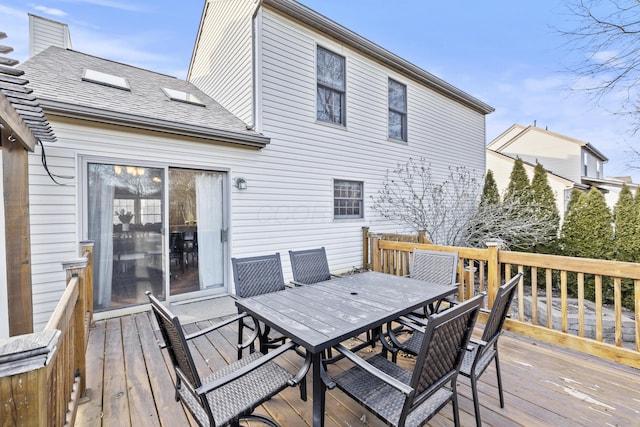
{"x": 4, "y": 297}
{"x": 223, "y": 59}
{"x": 501, "y": 166}
{"x": 306, "y": 155}
{"x": 44, "y": 33}
{"x": 557, "y": 155}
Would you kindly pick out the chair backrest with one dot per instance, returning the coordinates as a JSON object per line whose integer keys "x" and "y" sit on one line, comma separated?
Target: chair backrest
{"x": 444, "y": 345}
{"x": 173, "y": 336}
{"x": 434, "y": 266}
{"x": 500, "y": 308}
{"x": 310, "y": 266}
{"x": 257, "y": 275}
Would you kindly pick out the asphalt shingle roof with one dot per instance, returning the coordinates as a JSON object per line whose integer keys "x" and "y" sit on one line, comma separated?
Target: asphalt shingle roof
{"x": 55, "y": 75}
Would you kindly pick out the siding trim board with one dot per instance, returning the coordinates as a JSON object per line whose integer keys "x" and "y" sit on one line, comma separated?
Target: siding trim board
{"x": 320, "y": 23}
{"x": 147, "y": 123}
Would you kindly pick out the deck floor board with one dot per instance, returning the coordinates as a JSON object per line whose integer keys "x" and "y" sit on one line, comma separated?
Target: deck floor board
{"x": 131, "y": 383}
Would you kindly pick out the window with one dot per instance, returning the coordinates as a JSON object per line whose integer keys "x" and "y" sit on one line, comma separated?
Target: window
{"x": 181, "y": 96}
{"x": 347, "y": 199}
{"x": 105, "y": 79}
{"x": 586, "y": 164}
{"x": 397, "y": 110}
{"x": 331, "y": 87}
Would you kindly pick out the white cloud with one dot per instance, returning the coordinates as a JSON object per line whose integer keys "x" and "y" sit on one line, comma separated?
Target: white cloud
{"x": 112, "y": 4}
{"x": 49, "y": 10}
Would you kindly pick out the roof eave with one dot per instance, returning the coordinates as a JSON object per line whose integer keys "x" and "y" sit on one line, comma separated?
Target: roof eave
{"x": 73, "y": 111}
{"x": 315, "y": 20}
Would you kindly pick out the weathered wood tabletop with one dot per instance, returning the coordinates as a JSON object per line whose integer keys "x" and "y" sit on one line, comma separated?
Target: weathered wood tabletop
{"x": 324, "y": 314}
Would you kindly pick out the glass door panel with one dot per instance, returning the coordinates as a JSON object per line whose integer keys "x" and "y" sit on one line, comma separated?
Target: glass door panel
{"x": 196, "y": 230}
{"x": 125, "y": 220}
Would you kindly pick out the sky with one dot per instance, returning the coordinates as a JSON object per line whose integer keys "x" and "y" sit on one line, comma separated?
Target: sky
{"x": 509, "y": 54}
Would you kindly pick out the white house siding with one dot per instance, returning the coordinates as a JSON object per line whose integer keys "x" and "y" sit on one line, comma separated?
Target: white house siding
{"x": 556, "y": 154}
{"x": 44, "y": 32}
{"x": 304, "y": 156}
{"x": 501, "y": 166}
{"x": 4, "y": 297}
{"x": 223, "y": 56}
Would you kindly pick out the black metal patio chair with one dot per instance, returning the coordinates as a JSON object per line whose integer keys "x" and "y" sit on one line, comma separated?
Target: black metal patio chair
{"x": 435, "y": 267}
{"x": 481, "y": 352}
{"x": 403, "y": 398}
{"x": 235, "y": 391}
{"x": 256, "y": 276}
{"x": 309, "y": 266}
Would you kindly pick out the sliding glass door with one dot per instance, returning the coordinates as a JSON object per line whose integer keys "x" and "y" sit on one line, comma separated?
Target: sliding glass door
{"x": 145, "y": 240}
{"x": 196, "y": 230}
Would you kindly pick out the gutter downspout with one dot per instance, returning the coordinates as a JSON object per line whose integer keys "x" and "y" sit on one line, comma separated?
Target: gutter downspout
{"x": 254, "y": 65}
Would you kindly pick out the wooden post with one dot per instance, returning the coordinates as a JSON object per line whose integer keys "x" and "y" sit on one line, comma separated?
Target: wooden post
{"x": 375, "y": 261}
{"x": 76, "y": 268}
{"x": 493, "y": 271}
{"x": 17, "y": 231}
{"x": 26, "y": 363}
{"x": 87, "y": 250}
{"x": 365, "y": 248}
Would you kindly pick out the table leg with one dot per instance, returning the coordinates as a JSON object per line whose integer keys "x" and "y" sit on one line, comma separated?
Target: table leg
{"x": 318, "y": 390}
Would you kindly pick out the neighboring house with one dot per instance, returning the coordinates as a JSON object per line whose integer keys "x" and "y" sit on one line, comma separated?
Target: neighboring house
{"x": 569, "y": 162}
{"x": 296, "y": 123}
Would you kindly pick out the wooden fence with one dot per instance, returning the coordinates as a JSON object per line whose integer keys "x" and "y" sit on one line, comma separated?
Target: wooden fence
{"x": 42, "y": 375}
{"x": 544, "y": 309}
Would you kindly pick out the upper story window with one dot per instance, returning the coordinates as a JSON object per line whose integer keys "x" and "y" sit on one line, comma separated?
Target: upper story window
{"x": 586, "y": 164}
{"x": 347, "y": 199}
{"x": 331, "y": 87}
{"x": 598, "y": 175}
{"x": 397, "y": 110}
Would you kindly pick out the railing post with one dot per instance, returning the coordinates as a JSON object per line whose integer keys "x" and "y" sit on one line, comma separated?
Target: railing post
{"x": 375, "y": 255}
{"x": 493, "y": 270}
{"x": 26, "y": 365}
{"x": 365, "y": 248}
{"x": 86, "y": 248}
{"x": 76, "y": 268}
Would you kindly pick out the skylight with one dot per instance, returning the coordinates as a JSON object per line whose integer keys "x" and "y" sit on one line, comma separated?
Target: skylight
{"x": 180, "y": 96}
{"x": 105, "y": 79}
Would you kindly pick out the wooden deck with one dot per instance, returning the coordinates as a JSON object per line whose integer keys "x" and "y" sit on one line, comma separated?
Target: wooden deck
{"x": 131, "y": 385}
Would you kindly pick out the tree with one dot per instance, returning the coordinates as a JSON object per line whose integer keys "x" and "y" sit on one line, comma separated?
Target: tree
{"x": 449, "y": 211}
{"x": 412, "y": 197}
{"x": 519, "y": 186}
{"x": 544, "y": 198}
{"x": 587, "y": 231}
{"x": 627, "y": 225}
{"x": 490, "y": 193}
{"x": 608, "y": 35}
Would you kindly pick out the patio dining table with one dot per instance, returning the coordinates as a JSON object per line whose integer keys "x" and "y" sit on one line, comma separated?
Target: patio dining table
{"x": 324, "y": 314}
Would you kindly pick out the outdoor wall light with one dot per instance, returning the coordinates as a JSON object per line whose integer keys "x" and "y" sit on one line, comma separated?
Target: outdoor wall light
{"x": 241, "y": 183}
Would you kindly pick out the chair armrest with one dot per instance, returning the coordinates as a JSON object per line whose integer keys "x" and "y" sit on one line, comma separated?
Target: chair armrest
{"x": 476, "y": 342}
{"x": 206, "y": 388}
{"x": 303, "y": 371}
{"x": 416, "y": 326}
{"x": 393, "y": 382}
{"x": 216, "y": 326}
{"x": 294, "y": 283}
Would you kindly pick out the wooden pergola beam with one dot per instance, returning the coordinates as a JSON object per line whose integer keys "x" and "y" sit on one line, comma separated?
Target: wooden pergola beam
{"x": 14, "y": 126}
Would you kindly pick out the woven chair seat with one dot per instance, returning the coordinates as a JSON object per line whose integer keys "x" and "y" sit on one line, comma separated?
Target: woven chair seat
{"x": 240, "y": 397}
{"x": 381, "y": 398}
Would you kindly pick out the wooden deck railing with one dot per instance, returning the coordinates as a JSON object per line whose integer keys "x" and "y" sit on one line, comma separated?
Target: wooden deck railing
{"x": 595, "y": 327}
{"x": 42, "y": 375}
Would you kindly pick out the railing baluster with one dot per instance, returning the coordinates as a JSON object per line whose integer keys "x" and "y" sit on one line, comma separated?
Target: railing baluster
{"x": 598, "y": 291}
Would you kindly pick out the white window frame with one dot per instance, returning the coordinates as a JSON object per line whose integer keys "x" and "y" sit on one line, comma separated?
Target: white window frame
{"x": 402, "y": 113}
{"x": 344, "y": 200}
{"x": 335, "y": 91}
